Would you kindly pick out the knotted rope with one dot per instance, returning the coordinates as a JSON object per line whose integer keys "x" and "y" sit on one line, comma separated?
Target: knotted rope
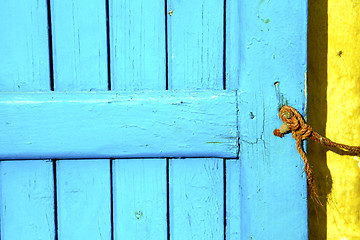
{"x": 294, "y": 122}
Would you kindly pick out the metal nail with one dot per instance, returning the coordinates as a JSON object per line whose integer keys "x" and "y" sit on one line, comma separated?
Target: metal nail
{"x": 287, "y": 115}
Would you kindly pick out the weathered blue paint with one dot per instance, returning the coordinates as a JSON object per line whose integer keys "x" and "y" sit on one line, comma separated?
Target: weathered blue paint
{"x": 195, "y": 61}
{"x": 140, "y": 199}
{"x": 26, "y": 187}
{"x": 80, "y": 64}
{"x": 24, "y": 46}
{"x": 195, "y": 44}
{"x": 138, "y": 62}
{"x": 266, "y": 61}
{"x": 100, "y": 125}
{"x": 196, "y": 198}
{"x": 26, "y": 200}
{"x": 79, "y": 45}
{"x": 265, "y": 190}
{"x": 137, "y": 44}
{"x": 233, "y": 200}
{"x": 83, "y": 199}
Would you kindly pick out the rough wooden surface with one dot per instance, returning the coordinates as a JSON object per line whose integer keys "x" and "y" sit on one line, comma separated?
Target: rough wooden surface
{"x": 195, "y": 61}
{"x": 140, "y": 202}
{"x": 100, "y": 125}
{"x": 268, "y": 67}
{"x": 83, "y": 188}
{"x": 26, "y": 187}
{"x": 138, "y": 62}
{"x": 261, "y": 53}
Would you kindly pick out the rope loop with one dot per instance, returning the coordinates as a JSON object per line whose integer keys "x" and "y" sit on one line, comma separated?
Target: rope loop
{"x": 294, "y": 122}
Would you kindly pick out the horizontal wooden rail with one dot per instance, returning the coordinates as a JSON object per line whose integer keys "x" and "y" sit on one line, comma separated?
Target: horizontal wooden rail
{"x": 76, "y": 125}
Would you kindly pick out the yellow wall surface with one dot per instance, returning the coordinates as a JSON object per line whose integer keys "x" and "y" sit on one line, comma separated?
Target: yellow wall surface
{"x": 334, "y": 110}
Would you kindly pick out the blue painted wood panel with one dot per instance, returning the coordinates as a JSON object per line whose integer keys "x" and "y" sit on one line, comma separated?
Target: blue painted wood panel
{"x": 26, "y": 187}
{"x": 233, "y": 199}
{"x": 137, "y": 54}
{"x": 24, "y": 46}
{"x": 264, "y": 58}
{"x": 83, "y": 199}
{"x": 137, "y": 44}
{"x": 196, "y": 196}
{"x": 195, "y": 61}
{"x": 79, "y": 45}
{"x": 80, "y": 64}
{"x": 140, "y": 199}
{"x": 195, "y": 44}
{"x": 26, "y": 200}
{"x": 99, "y": 125}
{"x": 266, "y": 61}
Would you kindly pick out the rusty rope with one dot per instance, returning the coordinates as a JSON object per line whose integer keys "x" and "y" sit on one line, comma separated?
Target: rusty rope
{"x": 294, "y": 122}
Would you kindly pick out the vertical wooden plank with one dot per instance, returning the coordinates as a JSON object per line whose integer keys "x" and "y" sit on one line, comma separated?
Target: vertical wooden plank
{"x": 196, "y": 198}
{"x": 83, "y": 199}
{"x": 140, "y": 199}
{"x": 80, "y": 63}
{"x": 24, "y": 46}
{"x": 137, "y": 51}
{"x": 195, "y": 44}
{"x": 233, "y": 200}
{"x": 137, "y": 40}
{"x": 195, "y": 61}
{"x": 26, "y": 187}
{"x": 79, "y": 43}
{"x": 27, "y": 200}
{"x": 269, "y": 70}
{"x": 233, "y": 53}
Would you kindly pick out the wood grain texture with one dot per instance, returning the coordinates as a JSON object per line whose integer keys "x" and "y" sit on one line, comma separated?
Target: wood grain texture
{"x": 101, "y": 125}
{"x": 24, "y": 46}
{"x": 83, "y": 199}
{"x": 195, "y": 61}
{"x": 26, "y": 188}
{"x": 140, "y": 199}
{"x": 196, "y": 198}
{"x": 137, "y": 51}
{"x": 233, "y": 199}
{"x": 195, "y": 44}
{"x": 80, "y": 64}
{"x": 268, "y": 71}
{"x": 79, "y": 45}
{"x": 26, "y": 200}
{"x": 137, "y": 44}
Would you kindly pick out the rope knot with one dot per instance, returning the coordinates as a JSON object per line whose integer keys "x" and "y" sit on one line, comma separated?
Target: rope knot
{"x": 294, "y": 122}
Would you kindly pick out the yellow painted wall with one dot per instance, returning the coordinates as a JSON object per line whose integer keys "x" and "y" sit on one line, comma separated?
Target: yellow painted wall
{"x": 334, "y": 110}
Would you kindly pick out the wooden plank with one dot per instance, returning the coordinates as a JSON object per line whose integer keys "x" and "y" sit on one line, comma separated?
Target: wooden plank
{"x": 195, "y": 44}
{"x": 107, "y": 125}
{"x": 233, "y": 167}
{"x": 137, "y": 44}
{"x": 26, "y": 188}
{"x": 83, "y": 199}
{"x": 79, "y": 43}
{"x": 195, "y": 61}
{"x": 140, "y": 199}
{"x": 80, "y": 63}
{"x": 233, "y": 199}
{"x": 233, "y": 51}
{"x": 272, "y": 39}
{"x": 196, "y": 198}
{"x": 24, "y": 42}
{"x": 26, "y": 200}
{"x": 137, "y": 52}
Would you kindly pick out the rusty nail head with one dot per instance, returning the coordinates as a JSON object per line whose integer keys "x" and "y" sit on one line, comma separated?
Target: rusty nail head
{"x": 287, "y": 115}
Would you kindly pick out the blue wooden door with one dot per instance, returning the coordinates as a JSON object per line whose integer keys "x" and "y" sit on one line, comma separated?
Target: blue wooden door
{"x": 150, "y": 119}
